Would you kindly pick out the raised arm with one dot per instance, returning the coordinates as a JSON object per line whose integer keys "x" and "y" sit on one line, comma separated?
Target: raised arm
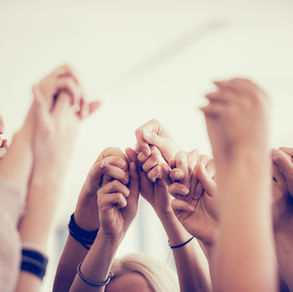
{"x": 56, "y": 122}
{"x": 237, "y": 118}
{"x": 190, "y": 261}
{"x": 196, "y": 204}
{"x": 15, "y": 170}
{"x": 86, "y": 214}
{"x": 117, "y": 206}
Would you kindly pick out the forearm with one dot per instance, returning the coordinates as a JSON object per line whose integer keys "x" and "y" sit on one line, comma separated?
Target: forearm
{"x": 35, "y": 227}
{"x": 86, "y": 213}
{"x": 41, "y": 208}
{"x": 245, "y": 240}
{"x": 74, "y": 252}
{"x": 191, "y": 263}
{"x": 97, "y": 263}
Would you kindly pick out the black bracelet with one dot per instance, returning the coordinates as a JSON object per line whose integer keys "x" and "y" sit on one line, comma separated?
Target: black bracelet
{"x": 33, "y": 262}
{"x": 84, "y": 237}
{"x": 93, "y": 283}
{"x": 182, "y": 244}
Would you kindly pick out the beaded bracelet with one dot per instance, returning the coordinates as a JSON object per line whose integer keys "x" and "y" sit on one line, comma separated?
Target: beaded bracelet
{"x": 93, "y": 283}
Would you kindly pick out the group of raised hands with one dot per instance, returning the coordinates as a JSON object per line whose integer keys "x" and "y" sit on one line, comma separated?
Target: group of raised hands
{"x": 229, "y": 220}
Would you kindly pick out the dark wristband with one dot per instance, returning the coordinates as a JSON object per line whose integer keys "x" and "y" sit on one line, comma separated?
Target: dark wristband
{"x": 84, "y": 237}
{"x": 33, "y": 262}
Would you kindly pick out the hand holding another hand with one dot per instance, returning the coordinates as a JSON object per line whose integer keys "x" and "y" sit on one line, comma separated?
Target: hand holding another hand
{"x": 237, "y": 117}
{"x": 196, "y": 206}
{"x": 117, "y": 201}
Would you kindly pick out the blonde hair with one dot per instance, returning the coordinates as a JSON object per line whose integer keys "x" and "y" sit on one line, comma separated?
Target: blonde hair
{"x": 160, "y": 277}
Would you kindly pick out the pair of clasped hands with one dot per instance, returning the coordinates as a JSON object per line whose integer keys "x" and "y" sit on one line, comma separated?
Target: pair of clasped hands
{"x": 156, "y": 169}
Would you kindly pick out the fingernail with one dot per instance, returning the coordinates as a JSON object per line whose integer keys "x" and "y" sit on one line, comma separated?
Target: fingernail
{"x": 177, "y": 173}
{"x": 185, "y": 190}
{"x": 102, "y": 165}
{"x": 191, "y": 209}
{"x": 145, "y": 152}
{"x": 141, "y": 157}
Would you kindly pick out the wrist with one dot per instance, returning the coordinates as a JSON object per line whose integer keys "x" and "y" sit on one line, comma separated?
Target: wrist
{"x": 166, "y": 215}
{"x": 45, "y": 177}
{"x": 110, "y": 239}
{"x": 86, "y": 215}
{"x": 253, "y": 153}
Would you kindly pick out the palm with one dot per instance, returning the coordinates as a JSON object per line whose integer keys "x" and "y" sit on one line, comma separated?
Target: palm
{"x": 156, "y": 194}
{"x": 202, "y": 223}
{"x": 113, "y": 221}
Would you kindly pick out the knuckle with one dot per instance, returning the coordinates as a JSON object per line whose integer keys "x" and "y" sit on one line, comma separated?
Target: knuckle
{"x": 116, "y": 184}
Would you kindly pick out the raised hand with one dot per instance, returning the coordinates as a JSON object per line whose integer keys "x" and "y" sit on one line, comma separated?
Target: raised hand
{"x": 153, "y": 133}
{"x": 111, "y": 162}
{"x": 196, "y": 206}
{"x": 117, "y": 203}
{"x": 152, "y": 171}
{"x": 65, "y": 79}
{"x": 57, "y": 117}
{"x": 237, "y": 117}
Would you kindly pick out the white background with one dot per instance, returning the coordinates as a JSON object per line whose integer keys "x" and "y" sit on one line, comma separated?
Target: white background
{"x": 144, "y": 59}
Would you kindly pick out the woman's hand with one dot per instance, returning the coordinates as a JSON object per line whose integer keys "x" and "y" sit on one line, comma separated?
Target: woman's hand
{"x": 57, "y": 118}
{"x": 196, "y": 206}
{"x": 110, "y": 162}
{"x": 153, "y": 133}
{"x": 237, "y": 118}
{"x": 117, "y": 203}
{"x": 153, "y": 175}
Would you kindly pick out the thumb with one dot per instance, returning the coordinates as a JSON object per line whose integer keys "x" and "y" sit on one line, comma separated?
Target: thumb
{"x": 153, "y": 139}
{"x": 181, "y": 206}
{"x": 206, "y": 181}
{"x": 163, "y": 144}
{"x": 131, "y": 154}
{"x": 283, "y": 161}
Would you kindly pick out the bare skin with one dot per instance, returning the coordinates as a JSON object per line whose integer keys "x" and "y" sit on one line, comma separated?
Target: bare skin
{"x": 117, "y": 205}
{"x": 237, "y": 122}
{"x": 56, "y": 122}
{"x": 110, "y": 162}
